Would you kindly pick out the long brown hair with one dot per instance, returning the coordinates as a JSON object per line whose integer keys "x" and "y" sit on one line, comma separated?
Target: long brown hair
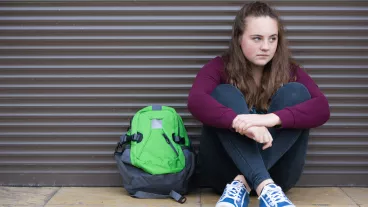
{"x": 238, "y": 69}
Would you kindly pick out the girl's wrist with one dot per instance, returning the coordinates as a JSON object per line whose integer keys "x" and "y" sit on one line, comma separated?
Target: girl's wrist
{"x": 275, "y": 120}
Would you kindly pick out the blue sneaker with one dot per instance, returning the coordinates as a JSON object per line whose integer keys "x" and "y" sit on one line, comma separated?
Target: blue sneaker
{"x": 273, "y": 196}
{"x": 235, "y": 195}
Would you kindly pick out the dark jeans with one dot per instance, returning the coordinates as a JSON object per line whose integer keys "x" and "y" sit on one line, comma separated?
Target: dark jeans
{"x": 224, "y": 153}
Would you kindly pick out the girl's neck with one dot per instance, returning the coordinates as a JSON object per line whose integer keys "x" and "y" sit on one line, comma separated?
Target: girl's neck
{"x": 257, "y": 72}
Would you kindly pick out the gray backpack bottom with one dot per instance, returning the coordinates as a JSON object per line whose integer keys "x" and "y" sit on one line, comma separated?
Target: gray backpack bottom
{"x": 141, "y": 184}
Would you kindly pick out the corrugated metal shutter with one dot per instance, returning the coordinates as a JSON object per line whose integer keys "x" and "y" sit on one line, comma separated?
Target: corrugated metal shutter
{"x": 73, "y": 72}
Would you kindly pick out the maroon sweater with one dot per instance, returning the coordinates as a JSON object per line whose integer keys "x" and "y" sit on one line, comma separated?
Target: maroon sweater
{"x": 309, "y": 114}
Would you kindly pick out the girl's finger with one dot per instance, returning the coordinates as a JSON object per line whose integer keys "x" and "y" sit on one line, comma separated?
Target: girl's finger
{"x": 241, "y": 126}
{"x": 248, "y": 125}
{"x": 267, "y": 145}
{"x": 270, "y": 136}
{"x": 238, "y": 123}
{"x": 266, "y": 139}
{"x": 260, "y": 138}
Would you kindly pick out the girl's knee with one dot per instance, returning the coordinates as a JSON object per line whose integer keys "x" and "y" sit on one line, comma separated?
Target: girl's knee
{"x": 294, "y": 91}
{"x": 230, "y": 96}
{"x": 288, "y": 95}
{"x": 226, "y": 90}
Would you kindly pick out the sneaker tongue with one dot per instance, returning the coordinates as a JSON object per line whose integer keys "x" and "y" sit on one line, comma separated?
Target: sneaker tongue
{"x": 271, "y": 186}
{"x": 236, "y": 182}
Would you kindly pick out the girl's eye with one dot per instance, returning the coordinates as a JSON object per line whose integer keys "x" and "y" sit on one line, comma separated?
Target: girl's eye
{"x": 273, "y": 39}
{"x": 256, "y": 38}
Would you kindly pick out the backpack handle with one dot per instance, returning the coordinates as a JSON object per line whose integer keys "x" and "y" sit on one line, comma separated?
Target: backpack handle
{"x": 174, "y": 195}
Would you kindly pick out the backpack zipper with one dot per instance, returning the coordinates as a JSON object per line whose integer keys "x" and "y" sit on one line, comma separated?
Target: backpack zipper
{"x": 171, "y": 145}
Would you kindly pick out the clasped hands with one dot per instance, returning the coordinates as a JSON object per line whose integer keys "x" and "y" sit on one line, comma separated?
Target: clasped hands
{"x": 255, "y": 126}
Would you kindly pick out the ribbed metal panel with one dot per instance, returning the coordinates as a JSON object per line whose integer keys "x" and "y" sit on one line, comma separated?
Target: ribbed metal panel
{"x": 73, "y": 72}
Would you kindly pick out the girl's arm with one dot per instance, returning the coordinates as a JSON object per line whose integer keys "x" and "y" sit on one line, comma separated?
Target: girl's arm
{"x": 309, "y": 114}
{"x": 200, "y": 102}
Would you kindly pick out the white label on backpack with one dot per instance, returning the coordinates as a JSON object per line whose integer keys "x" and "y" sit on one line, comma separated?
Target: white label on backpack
{"x": 156, "y": 124}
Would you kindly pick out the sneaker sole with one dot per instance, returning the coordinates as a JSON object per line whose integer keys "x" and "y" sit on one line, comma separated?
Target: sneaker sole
{"x": 224, "y": 205}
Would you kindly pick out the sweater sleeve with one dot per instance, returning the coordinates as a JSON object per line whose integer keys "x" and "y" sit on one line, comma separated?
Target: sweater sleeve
{"x": 200, "y": 102}
{"x": 309, "y": 114}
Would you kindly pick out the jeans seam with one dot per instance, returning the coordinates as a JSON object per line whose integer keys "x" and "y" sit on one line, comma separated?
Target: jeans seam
{"x": 242, "y": 157}
{"x": 251, "y": 169}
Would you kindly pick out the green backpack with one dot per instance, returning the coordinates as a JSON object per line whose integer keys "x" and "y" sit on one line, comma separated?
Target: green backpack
{"x": 157, "y": 144}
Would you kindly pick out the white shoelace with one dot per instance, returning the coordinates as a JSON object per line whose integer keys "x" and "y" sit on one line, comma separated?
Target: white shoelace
{"x": 275, "y": 195}
{"x": 233, "y": 191}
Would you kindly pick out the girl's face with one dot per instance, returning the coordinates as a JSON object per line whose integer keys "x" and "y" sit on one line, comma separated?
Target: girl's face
{"x": 259, "y": 40}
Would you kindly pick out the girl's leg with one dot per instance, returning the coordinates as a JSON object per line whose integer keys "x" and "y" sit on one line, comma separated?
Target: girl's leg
{"x": 244, "y": 152}
{"x": 288, "y": 169}
{"x": 285, "y": 159}
{"x": 217, "y": 168}
{"x": 288, "y": 95}
{"x": 287, "y": 154}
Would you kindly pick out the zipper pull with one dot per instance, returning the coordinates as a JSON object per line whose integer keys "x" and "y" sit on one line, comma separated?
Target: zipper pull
{"x": 170, "y": 144}
{"x": 167, "y": 139}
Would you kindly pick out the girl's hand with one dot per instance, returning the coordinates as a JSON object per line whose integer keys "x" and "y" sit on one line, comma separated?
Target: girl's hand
{"x": 245, "y": 121}
{"x": 260, "y": 135}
